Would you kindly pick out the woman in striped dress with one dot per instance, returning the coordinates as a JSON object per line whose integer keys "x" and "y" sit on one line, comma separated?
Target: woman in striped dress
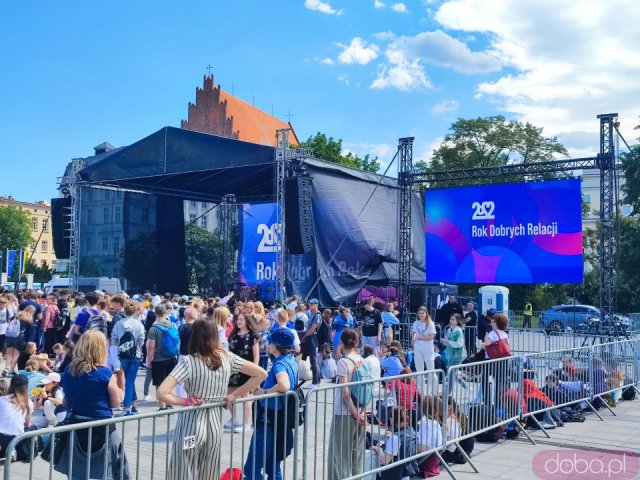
{"x": 205, "y": 373}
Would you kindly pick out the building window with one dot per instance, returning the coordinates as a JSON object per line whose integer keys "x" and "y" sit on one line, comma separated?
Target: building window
{"x": 116, "y": 245}
{"x": 43, "y": 246}
{"x": 45, "y": 225}
{"x": 43, "y": 263}
{"x": 89, "y": 216}
{"x": 105, "y": 244}
{"x": 116, "y": 215}
{"x": 203, "y": 221}
{"x": 192, "y": 217}
{"x": 586, "y": 198}
{"x": 145, "y": 215}
{"x": 34, "y": 224}
{"x": 88, "y": 245}
{"x": 33, "y": 245}
{"x": 194, "y": 203}
{"x": 204, "y": 205}
{"x": 105, "y": 214}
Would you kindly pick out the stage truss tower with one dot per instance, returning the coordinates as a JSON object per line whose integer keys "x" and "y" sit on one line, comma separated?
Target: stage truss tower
{"x": 405, "y": 151}
{"x": 228, "y": 214}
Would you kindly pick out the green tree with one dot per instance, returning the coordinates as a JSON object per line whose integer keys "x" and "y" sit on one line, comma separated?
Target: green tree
{"x": 629, "y": 265}
{"x": 631, "y": 169}
{"x": 331, "y": 150}
{"x": 208, "y": 267}
{"x": 15, "y": 229}
{"x": 491, "y": 142}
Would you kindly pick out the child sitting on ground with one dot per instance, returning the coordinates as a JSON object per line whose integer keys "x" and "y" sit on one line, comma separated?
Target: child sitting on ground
{"x": 401, "y": 444}
{"x": 328, "y": 366}
{"x": 430, "y": 434}
{"x": 456, "y": 427}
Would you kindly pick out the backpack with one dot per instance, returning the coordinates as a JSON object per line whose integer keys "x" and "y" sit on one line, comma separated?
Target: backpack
{"x": 482, "y": 416}
{"x": 127, "y": 349}
{"x": 296, "y": 414}
{"x": 298, "y": 324}
{"x": 96, "y": 322}
{"x": 170, "y": 340}
{"x": 361, "y": 394}
{"x": 61, "y": 319}
{"x": 628, "y": 393}
{"x": 13, "y": 329}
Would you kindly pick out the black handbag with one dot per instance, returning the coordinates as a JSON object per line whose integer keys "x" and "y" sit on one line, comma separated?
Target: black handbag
{"x": 60, "y": 441}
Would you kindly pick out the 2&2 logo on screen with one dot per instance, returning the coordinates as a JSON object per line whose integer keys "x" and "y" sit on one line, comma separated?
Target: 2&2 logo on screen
{"x": 268, "y": 243}
{"x": 483, "y": 211}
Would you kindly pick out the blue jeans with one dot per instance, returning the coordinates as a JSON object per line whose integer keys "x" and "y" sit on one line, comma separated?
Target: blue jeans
{"x": 263, "y": 448}
{"x": 35, "y": 336}
{"x": 130, "y": 370}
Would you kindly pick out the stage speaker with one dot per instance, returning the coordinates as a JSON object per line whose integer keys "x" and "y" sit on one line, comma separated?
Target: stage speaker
{"x": 61, "y": 226}
{"x": 298, "y": 214}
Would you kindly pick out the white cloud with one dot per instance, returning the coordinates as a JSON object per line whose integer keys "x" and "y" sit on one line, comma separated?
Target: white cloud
{"x": 399, "y": 7}
{"x": 384, "y": 36}
{"x": 326, "y": 61}
{"x": 323, "y": 7}
{"x": 379, "y": 4}
{"x": 344, "y": 78}
{"x": 442, "y": 50}
{"x": 445, "y": 106}
{"x": 401, "y": 74}
{"x": 358, "y": 51}
{"x": 563, "y": 69}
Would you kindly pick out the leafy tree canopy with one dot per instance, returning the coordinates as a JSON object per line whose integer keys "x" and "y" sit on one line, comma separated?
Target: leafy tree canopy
{"x": 331, "y": 150}
{"x": 15, "y": 228}
{"x": 491, "y": 142}
{"x": 631, "y": 169}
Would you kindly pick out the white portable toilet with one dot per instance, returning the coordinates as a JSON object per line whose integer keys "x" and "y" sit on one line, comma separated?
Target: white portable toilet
{"x": 493, "y": 296}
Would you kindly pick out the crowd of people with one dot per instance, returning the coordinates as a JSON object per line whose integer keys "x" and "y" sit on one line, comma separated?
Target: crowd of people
{"x": 72, "y": 358}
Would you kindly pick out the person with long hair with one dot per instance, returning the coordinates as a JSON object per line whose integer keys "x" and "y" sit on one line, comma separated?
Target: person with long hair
{"x": 91, "y": 391}
{"x": 15, "y": 411}
{"x": 454, "y": 340}
{"x": 48, "y": 402}
{"x": 205, "y": 373}
{"x": 16, "y": 337}
{"x": 346, "y": 441}
{"x": 422, "y": 334}
{"x": 244, "y": 342}
{"x": 221, "y": 317}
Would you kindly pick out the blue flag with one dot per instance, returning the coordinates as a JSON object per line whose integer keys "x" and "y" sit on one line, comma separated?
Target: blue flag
{"x": 11, "y": 259}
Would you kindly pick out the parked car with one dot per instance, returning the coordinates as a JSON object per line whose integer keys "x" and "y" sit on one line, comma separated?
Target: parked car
{"x": 560, "y": 318}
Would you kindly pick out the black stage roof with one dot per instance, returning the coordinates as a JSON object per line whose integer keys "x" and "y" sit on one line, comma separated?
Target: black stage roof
{"x": 195, "y": 166}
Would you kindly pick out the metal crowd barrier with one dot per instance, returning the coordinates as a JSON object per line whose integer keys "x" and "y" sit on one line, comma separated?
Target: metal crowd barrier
{"x": 486, "y": 394}
{"x": 527, "y": 340}
{"x": 329, "y": 453}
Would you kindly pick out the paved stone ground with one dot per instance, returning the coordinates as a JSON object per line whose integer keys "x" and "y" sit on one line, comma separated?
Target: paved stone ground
{"x": 514, "y": 458}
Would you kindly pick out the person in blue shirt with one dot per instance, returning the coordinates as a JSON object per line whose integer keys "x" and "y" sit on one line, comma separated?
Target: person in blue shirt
{"x": 80, "y": 325}
{"x": 391, "y": 363}
{"x": 266, "y": 455}
{"x": 343, "y": 320}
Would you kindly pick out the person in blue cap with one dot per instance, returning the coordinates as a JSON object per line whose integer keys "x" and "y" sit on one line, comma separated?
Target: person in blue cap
{"x": 266, "y": 455}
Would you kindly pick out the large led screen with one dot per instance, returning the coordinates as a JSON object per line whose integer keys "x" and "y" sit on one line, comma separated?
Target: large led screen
{"x": 512, "y": 233}
{"x": 257, "y": 256}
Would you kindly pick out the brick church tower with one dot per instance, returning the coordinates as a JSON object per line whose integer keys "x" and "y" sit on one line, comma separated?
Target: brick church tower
{"x": 219, "y": 113}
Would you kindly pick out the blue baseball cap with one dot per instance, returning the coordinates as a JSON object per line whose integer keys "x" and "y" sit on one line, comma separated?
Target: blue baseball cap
{"x": 282, "y": 337}
{"x": 491, "y": 312}
{"x": 313, "y": 301}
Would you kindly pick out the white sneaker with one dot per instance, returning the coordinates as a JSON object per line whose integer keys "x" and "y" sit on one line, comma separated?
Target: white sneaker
{"x": 148, "y": 398}
{"x": 239, "y": 428}
{"x": 548, "y": 426}
{"x": 313, "y": 386}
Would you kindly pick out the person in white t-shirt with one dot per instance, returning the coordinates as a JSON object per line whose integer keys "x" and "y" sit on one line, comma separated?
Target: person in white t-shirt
{"x": 423, "y": 332}
{"x": 371, "y": 361}
{"x": 7, "y": 312}
{"x": 48, "y": 410}
{"x": 15, "y": 411}
{"x": 430, "y": 433}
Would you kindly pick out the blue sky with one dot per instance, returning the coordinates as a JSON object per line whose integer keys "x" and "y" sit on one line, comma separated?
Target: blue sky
{"x": 76, "y": 74}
